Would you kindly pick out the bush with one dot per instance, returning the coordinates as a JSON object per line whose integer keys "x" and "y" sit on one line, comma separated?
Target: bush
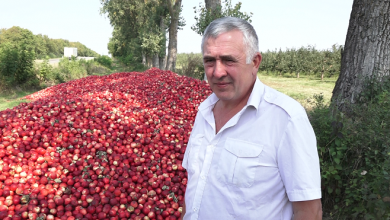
{"x": 354, "y": 155}
{"x": 191, "y": 65}
{"x": 105, "y": 61}
{"x": 44, "y": 70}
{"x": 130, "y": 63}
{"x": 70, "y": 69}
{"x": 92, "y": 67}
{"x": 16, "y": 66}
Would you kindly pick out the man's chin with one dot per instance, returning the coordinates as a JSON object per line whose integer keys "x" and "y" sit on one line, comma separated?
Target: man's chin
{"x": 223, "y": 97}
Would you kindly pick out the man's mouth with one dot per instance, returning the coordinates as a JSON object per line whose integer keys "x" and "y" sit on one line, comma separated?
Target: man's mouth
{"x": 222, "y": 83}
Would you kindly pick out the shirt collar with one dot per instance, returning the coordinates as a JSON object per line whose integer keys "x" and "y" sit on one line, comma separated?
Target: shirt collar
{"x": 254, "y": 99}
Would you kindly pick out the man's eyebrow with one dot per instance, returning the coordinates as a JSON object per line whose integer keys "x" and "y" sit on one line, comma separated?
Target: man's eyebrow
{"x": 208, "y": 58}
{"x": 223, "y": 57}
{"x": 228, "y": 57}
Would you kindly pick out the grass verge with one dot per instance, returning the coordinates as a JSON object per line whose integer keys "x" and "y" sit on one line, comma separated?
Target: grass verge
{"x": 13, "y": 99}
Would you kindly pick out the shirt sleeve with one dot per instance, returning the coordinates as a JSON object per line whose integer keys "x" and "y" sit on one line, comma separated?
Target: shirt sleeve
{"x": 298, "y": 161}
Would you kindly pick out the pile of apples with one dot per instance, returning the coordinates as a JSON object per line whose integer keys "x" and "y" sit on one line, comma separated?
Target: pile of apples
{"x": 101, "y": 147}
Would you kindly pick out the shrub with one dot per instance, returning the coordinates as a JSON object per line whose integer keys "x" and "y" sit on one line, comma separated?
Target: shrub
{"x": 105, "y": 61}
{"x": 191, "y": 65}
{"x": 92, "y": 67}
{"x": 354, "y": 155}
{"x": 44, "y": 70}
{"x": 70, "y": 69}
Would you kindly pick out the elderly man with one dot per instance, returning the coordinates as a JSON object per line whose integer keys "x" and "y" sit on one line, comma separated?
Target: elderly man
{"x": 252, "y": 152}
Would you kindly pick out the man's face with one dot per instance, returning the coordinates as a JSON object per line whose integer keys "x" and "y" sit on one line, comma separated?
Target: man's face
{"x": 228, "y": 74}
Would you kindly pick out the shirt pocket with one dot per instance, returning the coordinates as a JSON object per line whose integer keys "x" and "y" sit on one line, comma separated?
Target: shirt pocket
{"x": 238, "y": 162}
{"x": 191, "y": 156}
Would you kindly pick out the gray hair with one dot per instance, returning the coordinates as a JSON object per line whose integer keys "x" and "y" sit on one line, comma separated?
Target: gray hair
{"x": 226, "y": 24}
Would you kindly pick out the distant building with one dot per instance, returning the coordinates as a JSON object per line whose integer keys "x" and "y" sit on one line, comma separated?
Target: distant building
{"x": 70, "y": 51}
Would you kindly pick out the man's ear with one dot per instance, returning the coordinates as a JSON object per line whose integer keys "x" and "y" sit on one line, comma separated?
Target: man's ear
{"x": 256, "y": 62}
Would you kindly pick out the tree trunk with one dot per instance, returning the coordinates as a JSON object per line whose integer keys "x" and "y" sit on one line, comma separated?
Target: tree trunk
{"x": 212, "y": 4}
{"x": 143, "y": 59}
{"x": 163, "y": 31}
{"x": 174, "y": 11}
{"x": 156, "y": 61}
{"x": 149, "y": 61}
{"x": 161, "y": 63}
{"x": 366, "y": 51}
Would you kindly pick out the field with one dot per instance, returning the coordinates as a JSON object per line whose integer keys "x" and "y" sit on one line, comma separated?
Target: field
{"x": 301, "y": 89}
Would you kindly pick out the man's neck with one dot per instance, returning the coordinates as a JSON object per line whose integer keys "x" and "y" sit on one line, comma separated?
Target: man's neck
{"x": 224, "y": 110}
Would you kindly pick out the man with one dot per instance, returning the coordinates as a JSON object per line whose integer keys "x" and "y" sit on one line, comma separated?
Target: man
{"x": 252, "y": 152}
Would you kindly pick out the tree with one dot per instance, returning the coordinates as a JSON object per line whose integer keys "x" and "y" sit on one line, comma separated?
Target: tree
{"x": 139, "y": 30}
{"x": 212, "y": 4}
{"x": 19, "y": 37}
{"x": 174, "y": 7}
{"x": 366, "y": 52}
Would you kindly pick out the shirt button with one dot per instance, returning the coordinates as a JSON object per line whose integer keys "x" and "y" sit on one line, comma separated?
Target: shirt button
{"x": 203, "y": 177}
{"x": 194, "y": 209}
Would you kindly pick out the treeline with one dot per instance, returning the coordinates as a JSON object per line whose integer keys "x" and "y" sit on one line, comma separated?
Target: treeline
{"x": 40, "y": 45}
{"x": 294, "y": 62}
{"x": 304, "y": 61}
{"x": 19, "y": 48}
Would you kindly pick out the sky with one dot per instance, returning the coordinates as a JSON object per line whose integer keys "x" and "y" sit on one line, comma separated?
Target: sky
{"x": 280, "y": 24}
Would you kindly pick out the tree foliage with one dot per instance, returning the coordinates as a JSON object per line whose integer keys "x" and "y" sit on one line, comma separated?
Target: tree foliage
{"x": 205, "y": 16}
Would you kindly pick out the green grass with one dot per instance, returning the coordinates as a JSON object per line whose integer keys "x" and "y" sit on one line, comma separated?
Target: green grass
{"x": 13, "y": 99}
{"x": 301, "y": 89}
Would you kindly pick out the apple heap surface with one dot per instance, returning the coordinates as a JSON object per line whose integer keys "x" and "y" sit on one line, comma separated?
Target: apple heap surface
{"x": 101, "y": 147}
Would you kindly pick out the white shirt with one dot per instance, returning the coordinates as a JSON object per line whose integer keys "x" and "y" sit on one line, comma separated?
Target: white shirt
{"x": 260, "y": 161}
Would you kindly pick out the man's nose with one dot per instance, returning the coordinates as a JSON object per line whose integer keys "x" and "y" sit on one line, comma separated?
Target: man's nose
{"x": 219, "y": 69}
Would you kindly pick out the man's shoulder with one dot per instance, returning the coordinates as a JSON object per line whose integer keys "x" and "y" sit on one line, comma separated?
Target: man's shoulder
{"x": 285, "y": 102}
